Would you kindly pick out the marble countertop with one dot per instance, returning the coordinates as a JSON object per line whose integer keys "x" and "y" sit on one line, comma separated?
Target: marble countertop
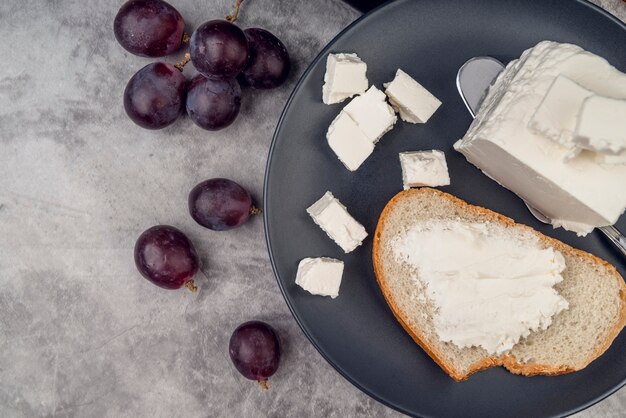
{"x": 81, "y": 334}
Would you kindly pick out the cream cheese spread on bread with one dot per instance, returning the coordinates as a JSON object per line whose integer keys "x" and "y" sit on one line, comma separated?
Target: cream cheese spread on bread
{"x": 490, "y": 287}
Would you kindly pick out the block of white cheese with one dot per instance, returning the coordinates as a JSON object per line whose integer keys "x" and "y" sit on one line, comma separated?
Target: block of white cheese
{"x": 602, "y": 125}
{"x": 580, "y": 194}
{"x": 424, "y": 168}
{"x": 556, "y": 115}
{"x": 413, "y": 102}
{"x": 320, "y": 276}
{"x": 334, "y": 219}
{"x": 371, "y": 113}
{"x": 344, "y": 77}
{"x": 348, "y": 141}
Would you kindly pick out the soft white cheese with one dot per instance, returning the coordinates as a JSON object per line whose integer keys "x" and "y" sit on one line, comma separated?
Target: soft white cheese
{"x": 490, "y": 287}
{"x": 371, "y": 113}
{"x": 344, "y": 77}
{"x": 334, "y": 219}
{"x": 578, "y": 227}
{"x": 424, "y": 168}
{"x": 602, "y": 125}
{"x": 579, "y": 192}
{"x": 606, "y": 159}
{"x": 413, "y": 102}
{"x": 556, "y": 115}
{"x": 348, "y": 142}
{"x": 320, "y": 276}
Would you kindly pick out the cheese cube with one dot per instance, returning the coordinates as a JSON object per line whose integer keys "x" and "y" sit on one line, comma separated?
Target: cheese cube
{"x": 371, "y": 113}
{"x": 344, "y": 77}
{"x": 556, "y": 115}
{"x": 320, "y": 276}
{"x": 602, "y": 125}
{"x": 413, "y": 102}
{"x": 424, "y": 168}
{"x": 334, "y": 219}
{"x": 348, "y": 142}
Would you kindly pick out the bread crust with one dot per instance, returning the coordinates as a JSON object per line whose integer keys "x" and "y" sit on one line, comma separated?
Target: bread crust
{"x": 506, "y": 360}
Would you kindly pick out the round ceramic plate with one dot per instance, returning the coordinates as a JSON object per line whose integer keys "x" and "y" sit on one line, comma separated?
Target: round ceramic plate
{"x": 356, "y": 332}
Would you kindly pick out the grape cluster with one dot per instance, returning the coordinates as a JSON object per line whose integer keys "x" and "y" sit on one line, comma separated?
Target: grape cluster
{"x": 224, "y": 56}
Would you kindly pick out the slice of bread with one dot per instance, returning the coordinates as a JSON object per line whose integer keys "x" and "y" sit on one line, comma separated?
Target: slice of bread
{"x": 595, "y": 291}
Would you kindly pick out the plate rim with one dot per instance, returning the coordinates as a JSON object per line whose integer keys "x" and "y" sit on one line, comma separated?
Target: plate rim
{"x": 319, "y": 57}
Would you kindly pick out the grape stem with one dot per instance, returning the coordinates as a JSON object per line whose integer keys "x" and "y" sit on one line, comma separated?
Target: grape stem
{"x": 184, "y": 62}
{"x": 233, "y": 18}
{"x": 264, "y": 385}
{"x": 186, "y": 38}
{"x": 254, "y": 210}
{"x": 191, "y": 286}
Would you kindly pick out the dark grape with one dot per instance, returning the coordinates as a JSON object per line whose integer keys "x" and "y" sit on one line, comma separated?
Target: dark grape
{"x": 268, "y": 60}
{"x": 255, "y": 351}
{"x": 213, "y": 104}
{"x": 150, "y": 28}
{"x": 220, "y": 204}
{"x": 155, "y": 96}
{"x": 219, "y": 49}
{"x": 166, "y": 257}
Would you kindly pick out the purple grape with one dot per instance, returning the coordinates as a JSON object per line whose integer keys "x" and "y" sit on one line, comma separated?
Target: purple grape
{"x": 166, "y": 257}
{"x": 155, "y": 96}
{"x": 255, "y": 351}
{"x": 268, "y": 60}
{"x": 150, "y": 28}
{"x": 213, "y": 104}
{"x": 220, "y": 204}
{"x": 219, "y": 49}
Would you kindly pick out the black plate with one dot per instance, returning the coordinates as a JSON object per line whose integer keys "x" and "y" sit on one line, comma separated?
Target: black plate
{"x": 356, "y": 332}
{"x": 365, "y": 5}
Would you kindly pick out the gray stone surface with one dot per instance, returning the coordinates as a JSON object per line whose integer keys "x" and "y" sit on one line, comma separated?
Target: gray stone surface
{"x": 81, "y": 334}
